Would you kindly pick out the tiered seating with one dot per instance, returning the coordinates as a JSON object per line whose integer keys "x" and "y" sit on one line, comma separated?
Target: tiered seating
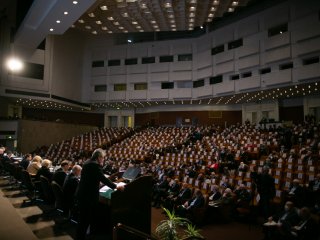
{"x": 87, "y": 142}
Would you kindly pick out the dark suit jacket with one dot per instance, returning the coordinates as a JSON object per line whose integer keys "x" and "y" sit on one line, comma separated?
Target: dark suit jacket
{"x": 309, "y": 231}
{"x": 43, "y": 171}
{"x": 24, "y": 163}
{"x": 265, "y": 186}
{"x": 174, "y": 189}
{"x": 198, "y": 202}
{"x": 216, "y": 196}
{"x": 59, "y": 177}
{"x": 88, "y": 190}
{"x": 69, "y": 188}
{"x": 289, "y": 221}
{"x": 184, "y": 195}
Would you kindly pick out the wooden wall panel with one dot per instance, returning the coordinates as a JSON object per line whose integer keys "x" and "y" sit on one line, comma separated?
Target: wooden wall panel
{"x": 188, "y": 117}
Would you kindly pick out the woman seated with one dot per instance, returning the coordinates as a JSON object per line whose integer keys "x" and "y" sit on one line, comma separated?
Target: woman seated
{"x": 34, "y": 166}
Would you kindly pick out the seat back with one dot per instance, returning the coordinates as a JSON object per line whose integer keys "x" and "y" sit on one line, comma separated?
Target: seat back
{"x": 58, "y": 194}
{"x": 26, "y": 180}
{"x": 47, "y": 190}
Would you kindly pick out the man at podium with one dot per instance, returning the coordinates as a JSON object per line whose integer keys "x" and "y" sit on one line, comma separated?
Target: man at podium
{"x": 88, "y": 191}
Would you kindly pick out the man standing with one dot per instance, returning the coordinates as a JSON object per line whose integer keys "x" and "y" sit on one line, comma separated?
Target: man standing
{"x": 88, "y": 191}
{"x": 266, "y": 190}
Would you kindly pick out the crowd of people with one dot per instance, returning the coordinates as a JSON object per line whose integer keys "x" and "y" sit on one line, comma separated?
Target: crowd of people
{"x": 204, "y": 173}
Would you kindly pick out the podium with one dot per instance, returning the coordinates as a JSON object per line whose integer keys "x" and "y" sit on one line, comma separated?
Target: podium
{"x": 132, "y": 206}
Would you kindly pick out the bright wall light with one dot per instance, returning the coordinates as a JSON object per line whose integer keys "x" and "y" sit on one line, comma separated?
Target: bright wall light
{"x": 14, "y": 64}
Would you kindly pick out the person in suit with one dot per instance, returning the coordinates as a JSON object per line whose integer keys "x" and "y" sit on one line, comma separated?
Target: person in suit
{"x": 184, "y": 195}
{"x": 314, "y": 191}
{"x": 296, "y": 193}
{"x": 307, "y": 229}
{"x": 26, "y": 161}
{"x": 160, "y": 190}
{"x": 60, "y": 175}
{"x": 279, "y": 226}
{"x": 70, "y": 186}
{"x": 216, "y": 194}
{"x": 197, "y": 201}
{"x": 45, "y": 170}
{"x": 88, "y": 191}
{"x": 266, "y": 189}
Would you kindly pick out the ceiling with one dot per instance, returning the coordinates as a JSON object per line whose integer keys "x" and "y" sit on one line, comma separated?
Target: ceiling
{"x": 123, "y": 16}
{"x": 120, "y": 16}
{"x": 135, "y": 16}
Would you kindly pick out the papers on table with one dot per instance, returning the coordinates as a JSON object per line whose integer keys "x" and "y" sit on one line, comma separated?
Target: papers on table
{"x": 272, "y": 223}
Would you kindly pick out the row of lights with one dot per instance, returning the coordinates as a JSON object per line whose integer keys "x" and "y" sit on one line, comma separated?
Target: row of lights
{"x": 143, "y": 8}
{"x": 272, "y": 94}
{"x": 42, "y": 104}
{"x": 58, "y": 21}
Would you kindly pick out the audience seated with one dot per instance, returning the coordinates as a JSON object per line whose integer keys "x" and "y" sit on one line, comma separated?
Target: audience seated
{"x": 26, "y": 160}
{"x": 35, "y": 165}
{"x": 61, "y": 173}
{"x": 45, "y": 170}
{"x": 69, "y": 189}
{"x": 307, "y": 228}
{"x": 280, "y": 225}
{"x": 296, "y": 193}
{"x": 186, "y": 208}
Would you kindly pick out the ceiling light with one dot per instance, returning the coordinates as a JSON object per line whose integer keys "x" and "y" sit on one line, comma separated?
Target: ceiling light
{"x": 125, "y": 14}
{"x": 104, "y": 28}
{"x": 91, "y": 15}
{"x": 138, "y": 27}
{"x": 98, "y": 22}
{"x": 230, "y": 9}
{"x": 209, "y": 19}
{"x": 51, "y": 29}
{"x": 88, "y": 27}
{"x": 190, "y": 28}
{"x": 212, "y": 9}
{"x": 134, "y": 22}
{"x": 110, "y": 18}
{"x": 15, "y": 64}
{"x": 143, "y": 5}
{"x": 235, "y": 3}
{"x": 192, "y": 9}
{"x": 109, "y": 31}
{"x": 58, "y": 21}
{"x": 75, "y": 2}
{"x": 65, "y": 13}
{"x": 81, "y": 21}
{"x": 121, "y": 27}
{"x": 191, "y": 20}
{"x": 94, "y": 32}
{"x": 104, "y": 8}
{"x": 153, "y": 21}
{"x": 192, "y": 14}
{"x": 211, "y": 15}
{"x": 129, "y": 41}
{"x": 141, "y": 30}
{"x": 167, "y": 5}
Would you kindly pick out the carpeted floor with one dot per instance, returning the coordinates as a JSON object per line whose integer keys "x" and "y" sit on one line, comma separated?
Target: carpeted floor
{"x": 47, "y": 223}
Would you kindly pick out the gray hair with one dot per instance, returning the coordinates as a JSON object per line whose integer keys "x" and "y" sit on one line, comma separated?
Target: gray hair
{"x": 98, "y": 153}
